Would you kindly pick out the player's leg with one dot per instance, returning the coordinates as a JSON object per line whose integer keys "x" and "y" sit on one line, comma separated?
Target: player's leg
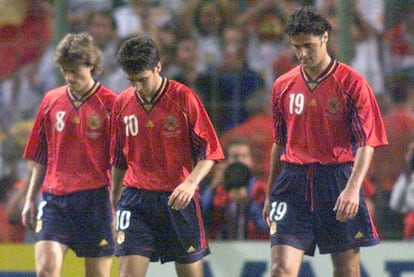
{"x": 92, "y": 235}
{"x": 49, "y": 258}
{"x": 133, "y": 266}
{"x": 137, "y": 211}
{"x": 190, "y": 270}
{"x": 98, "y": 267}
{"x": 341, "y": 239}
{"x": 346, "y": 264}
{"x": 285, "y": 260}
{"x": 291, "y": 221}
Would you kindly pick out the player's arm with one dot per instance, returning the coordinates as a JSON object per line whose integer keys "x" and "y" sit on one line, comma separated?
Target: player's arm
{"x": 347, "y": 204}
{"x": 182, "y": 194}
{"x": 117, "y": 179}
{"x": 36, "y": 179}
{"x": 275, "y": 169}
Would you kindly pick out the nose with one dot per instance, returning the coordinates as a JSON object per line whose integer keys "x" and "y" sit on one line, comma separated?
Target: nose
{"x": 302, "y": 52}
{"x": 138, "y": 86}
{"x": 68, "y": 76}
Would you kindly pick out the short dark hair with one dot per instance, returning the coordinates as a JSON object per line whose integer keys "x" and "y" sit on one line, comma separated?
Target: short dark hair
{"x": 137, "y": 54}
{"x": 306, "y": 20}
{"x": 78, "y": 49}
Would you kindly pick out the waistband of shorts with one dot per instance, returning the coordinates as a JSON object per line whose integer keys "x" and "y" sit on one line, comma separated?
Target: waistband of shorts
{"x": 315, "y": 166}
{"x": 103, "y": 189}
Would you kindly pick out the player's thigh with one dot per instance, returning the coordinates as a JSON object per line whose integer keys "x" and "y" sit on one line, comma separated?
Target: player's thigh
{"x": 133, "y": 265}
{"x": 346, "y": 263}
{"x": 49, "y": 256}
{"x": 286, "y": 260}
{"x": 98, "y": 267}
{"x": 190, "y": 270}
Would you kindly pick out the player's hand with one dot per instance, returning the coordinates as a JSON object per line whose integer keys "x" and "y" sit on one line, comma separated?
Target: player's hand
{"x": 181, "y": 196}
{"x": 29, "y": 214}
{"x": 265, "y": 212}
{"x": 347, "y": 204}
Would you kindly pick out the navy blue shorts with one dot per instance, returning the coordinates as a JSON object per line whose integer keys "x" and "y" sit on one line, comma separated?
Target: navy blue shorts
{"x": 148, "y": 227}
{"x": 82, "y": 221}
{"x": 301, "y": 214}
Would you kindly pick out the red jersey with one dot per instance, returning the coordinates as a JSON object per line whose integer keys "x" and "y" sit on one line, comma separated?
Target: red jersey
{"x": 160, "y": 141}
{"x": 325, "y": 120}
{"x": 71, "y": 136}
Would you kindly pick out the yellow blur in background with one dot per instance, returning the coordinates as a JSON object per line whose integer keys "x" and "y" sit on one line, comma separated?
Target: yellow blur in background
{"x": 20, "y": 258}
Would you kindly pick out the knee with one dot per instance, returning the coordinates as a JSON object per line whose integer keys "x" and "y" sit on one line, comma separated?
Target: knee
{"x": 49, "y": 269}
{"x": 280, "y": 269}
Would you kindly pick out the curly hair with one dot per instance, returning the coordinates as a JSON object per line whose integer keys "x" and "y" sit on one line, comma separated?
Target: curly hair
{"x": 137, "y": 54}
{"x": 78, "y": 49}
{"x": 306, "y": 20}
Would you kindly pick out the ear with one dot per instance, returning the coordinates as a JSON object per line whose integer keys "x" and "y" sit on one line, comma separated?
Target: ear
{"x": 325, "y": 37}
{"x": 158, "y": 67}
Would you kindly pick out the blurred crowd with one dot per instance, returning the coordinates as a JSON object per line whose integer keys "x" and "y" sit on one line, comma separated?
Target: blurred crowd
{"x": 229, "y": 52}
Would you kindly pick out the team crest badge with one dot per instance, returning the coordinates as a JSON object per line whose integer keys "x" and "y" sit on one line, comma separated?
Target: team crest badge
{"x": 120, "y": 237}
{"x": 94, "y": 121}
{"x": 333, "y": 105}
{"x": 39, "y": 224}
{"x": 273, "y": 227}
{"x": 170, "y": 122}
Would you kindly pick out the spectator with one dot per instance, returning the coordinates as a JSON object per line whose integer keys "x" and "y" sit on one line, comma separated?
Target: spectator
{"x": 166, "y": 36}
{"x": 208, "y": 23}
{"x": 9, "y": 233}
{"x": 137, "y": 17}
{"x": 264, "y": 21}
{"x": 226, "y": 89}
{"x": 20, "y": 172}
{"x": 402, "y": 195}
{"x": 25, "y": 32}
{"x": 388, "y": 162}
{"x": 79, "y": 10}
{"x": 398, "y": 43}
{"x": 257, "y": 131}
{"x": 367, "y": 28}
{"x": 24, "y": 36}
{"x": 102, "y": 26}
{"x": 186, "y": 61}
{"x": 232, "y": 205}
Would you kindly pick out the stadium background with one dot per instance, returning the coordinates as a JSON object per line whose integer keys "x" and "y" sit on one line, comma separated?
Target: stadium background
{"x": 229, "y": 258}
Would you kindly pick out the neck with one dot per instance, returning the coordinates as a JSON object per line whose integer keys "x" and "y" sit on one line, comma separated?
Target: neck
{"x": 83, "y": 92}
{"x": 154, "y": 92}
{"x": 317, "y": 70}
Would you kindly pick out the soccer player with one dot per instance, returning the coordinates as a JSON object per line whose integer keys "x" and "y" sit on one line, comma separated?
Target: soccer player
{"x": 69, "y": 144}
{"x": 327, "y": 123}
{"x": 163, "y": 145}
